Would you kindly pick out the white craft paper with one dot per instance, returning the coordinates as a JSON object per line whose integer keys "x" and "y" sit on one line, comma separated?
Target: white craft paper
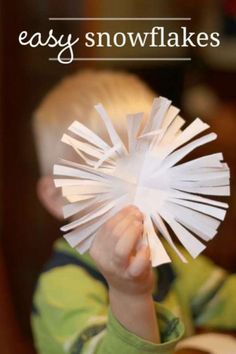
{"x": 148, "y": 173}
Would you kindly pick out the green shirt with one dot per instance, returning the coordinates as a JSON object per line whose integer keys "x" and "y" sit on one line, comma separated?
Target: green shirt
{"x": 72, "y": 314}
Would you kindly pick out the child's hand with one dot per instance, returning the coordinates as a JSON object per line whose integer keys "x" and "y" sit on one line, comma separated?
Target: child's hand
{"x": 128, "y": 272}
{"x": 114, "y": 250}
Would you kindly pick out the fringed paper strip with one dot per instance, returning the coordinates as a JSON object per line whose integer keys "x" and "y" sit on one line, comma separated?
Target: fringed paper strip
{"x": 146, "y": 174}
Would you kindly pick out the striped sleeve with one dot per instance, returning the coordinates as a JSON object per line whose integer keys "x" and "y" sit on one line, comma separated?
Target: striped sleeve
{"x": 208, "y": 292}
{"x": 72, "y": 315}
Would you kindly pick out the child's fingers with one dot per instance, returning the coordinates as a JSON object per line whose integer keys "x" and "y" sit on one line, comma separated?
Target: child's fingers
{"x": 140, "y": 263}
{"x": 127, "y": 222}
{"x": 127, "y": 243}
{"x": 124, "y": 213}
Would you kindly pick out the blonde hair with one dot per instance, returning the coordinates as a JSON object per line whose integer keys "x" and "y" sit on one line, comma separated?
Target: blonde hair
{"x": 74, "y": 99}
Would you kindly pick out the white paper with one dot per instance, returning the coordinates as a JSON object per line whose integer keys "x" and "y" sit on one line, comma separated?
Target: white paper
{"x": 148, "y": 173}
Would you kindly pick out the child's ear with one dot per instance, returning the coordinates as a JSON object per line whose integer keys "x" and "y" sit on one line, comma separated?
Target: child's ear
{"x": 50, "y": 196}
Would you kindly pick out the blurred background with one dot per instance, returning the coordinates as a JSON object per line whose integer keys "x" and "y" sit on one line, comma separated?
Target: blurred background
{"x": 204, "y": 87}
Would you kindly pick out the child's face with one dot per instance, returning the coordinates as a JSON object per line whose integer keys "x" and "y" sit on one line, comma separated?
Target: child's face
{"x": 50, "y": 196}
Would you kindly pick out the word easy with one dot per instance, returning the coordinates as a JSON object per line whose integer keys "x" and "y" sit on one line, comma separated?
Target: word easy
{"x": 65, "y": 42}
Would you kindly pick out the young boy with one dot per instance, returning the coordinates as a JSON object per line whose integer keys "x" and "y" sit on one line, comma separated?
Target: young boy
{"x": 110, "y": 300}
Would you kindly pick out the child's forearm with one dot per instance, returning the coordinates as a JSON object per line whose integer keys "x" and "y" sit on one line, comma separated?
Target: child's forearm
{"x": 126, "y": 266}
{"x": 136, "y": 313}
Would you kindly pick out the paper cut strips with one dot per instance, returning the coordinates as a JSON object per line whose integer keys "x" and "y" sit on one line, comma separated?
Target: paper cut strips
{"x": 147, "y": 173}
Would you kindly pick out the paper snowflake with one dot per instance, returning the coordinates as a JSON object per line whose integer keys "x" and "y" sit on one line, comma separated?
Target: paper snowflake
{"x": 146, "y": 174}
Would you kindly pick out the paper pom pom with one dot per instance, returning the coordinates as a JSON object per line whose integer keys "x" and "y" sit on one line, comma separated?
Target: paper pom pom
{"x": 146, "y": 174}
